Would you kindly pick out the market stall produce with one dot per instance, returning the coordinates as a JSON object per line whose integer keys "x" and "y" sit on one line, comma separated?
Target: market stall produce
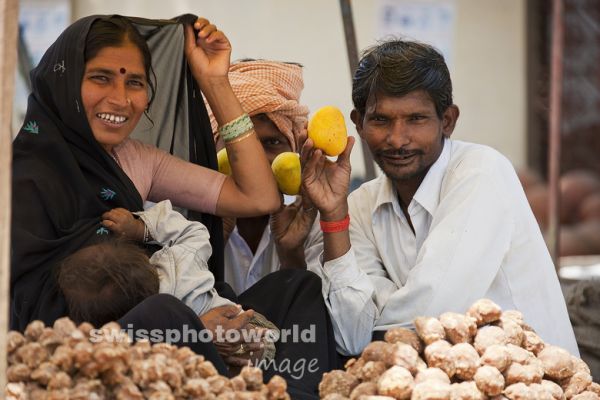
{"x": 484, "y": 353}
{"x": 80, "y": 362}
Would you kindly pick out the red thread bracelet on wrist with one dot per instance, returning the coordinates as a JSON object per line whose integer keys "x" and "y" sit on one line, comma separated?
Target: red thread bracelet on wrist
{"x": 335, "y": 226}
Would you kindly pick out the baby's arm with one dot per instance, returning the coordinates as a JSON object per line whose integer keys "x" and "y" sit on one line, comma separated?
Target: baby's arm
{"x": 123, "y": 223}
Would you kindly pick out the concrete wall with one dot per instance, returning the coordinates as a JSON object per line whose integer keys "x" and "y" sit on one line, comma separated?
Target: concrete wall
{"x": 488, "y": 62}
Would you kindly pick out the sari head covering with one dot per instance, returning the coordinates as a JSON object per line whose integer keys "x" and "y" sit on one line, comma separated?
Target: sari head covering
{"x": 272, "y": 88}
{"x": 63, "y": 180}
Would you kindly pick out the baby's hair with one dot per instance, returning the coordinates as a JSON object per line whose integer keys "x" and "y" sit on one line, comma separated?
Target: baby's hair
{"x": 102, "y": 282}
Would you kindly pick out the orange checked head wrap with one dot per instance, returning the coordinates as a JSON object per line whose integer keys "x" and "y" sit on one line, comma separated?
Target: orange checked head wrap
{"x": 272, "y": 88}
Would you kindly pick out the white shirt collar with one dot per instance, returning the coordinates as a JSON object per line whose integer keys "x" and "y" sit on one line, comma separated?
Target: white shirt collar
{"x": 428, "y": 193}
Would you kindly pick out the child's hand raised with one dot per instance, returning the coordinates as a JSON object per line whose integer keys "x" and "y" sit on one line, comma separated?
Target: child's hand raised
{"x": 123, "y": 223}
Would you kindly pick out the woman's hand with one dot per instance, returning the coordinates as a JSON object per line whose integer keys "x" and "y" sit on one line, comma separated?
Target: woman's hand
{"x": 222, "y": 319}
{"x": 122, "y": 222}
{"x": 208, "y": 52}
{"x": 247, "y": 353}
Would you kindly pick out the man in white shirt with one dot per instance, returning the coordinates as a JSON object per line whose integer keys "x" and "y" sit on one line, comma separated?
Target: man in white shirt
{"x": 446, "y": 224}
{"x": 248, "y": 261}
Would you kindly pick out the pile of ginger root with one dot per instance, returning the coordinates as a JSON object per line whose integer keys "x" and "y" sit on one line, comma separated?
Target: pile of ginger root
{"x": 486, "y": 353}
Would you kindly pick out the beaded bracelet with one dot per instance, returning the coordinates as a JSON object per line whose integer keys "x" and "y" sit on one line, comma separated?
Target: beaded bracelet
{"x": 236, "y": 128}
{"x": 335, "y": 226}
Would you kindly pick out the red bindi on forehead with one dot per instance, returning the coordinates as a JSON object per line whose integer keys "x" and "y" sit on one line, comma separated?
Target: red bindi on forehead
{"x": 122, "y": 70}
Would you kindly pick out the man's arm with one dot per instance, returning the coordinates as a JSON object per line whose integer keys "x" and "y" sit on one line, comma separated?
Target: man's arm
{"x": 346, "y": 289}
{"x": 357, "y": 291}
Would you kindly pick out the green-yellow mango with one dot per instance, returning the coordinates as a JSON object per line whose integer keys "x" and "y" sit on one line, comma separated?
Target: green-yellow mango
{"x": 286, "y": 168}
{"x": 223, "y": 162}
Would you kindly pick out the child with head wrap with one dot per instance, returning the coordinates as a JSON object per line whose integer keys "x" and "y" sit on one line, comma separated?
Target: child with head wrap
{"x": 269, "y": 92}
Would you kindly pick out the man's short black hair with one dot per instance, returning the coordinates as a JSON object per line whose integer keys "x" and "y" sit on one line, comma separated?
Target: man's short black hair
{"x": 398, "y": 67}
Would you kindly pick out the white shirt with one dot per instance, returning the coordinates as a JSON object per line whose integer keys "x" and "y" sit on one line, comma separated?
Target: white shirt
{"x": 475, "y": 236}
{"x": 243, "y": 268}
{"x": 182, "y": 262}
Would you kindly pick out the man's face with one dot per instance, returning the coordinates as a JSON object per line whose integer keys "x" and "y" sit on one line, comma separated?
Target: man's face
{"x": 405, "y": 134}
{"x": 272, "y": 140}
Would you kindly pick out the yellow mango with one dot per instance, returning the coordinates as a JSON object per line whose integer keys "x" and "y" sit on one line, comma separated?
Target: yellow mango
{"x": 286, "y": 168}
{"x": 327, "y": 130}
{"x": 223, "y": 162}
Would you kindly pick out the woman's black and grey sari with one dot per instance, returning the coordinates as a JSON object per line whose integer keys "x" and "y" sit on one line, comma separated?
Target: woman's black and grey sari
{"x": 63, "y": 180}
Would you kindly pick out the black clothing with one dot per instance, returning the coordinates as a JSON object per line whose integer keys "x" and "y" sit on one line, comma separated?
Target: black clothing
{"x": 165, "y": 313}
{"x": 292, "y": 300}
{"x": 63, "y": 181}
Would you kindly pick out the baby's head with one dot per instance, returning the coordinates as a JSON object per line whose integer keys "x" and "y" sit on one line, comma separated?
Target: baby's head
{"x": 102, "y": 282}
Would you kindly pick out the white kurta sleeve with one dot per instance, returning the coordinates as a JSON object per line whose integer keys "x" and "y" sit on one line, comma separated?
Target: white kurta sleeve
{"x": 348, "y": 293}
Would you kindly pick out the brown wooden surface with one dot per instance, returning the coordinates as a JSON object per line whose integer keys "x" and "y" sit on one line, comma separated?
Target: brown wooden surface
{"x": 555, "y": 117}
{"x": 8, "y": 57}
{"x": 580, "y": 126}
